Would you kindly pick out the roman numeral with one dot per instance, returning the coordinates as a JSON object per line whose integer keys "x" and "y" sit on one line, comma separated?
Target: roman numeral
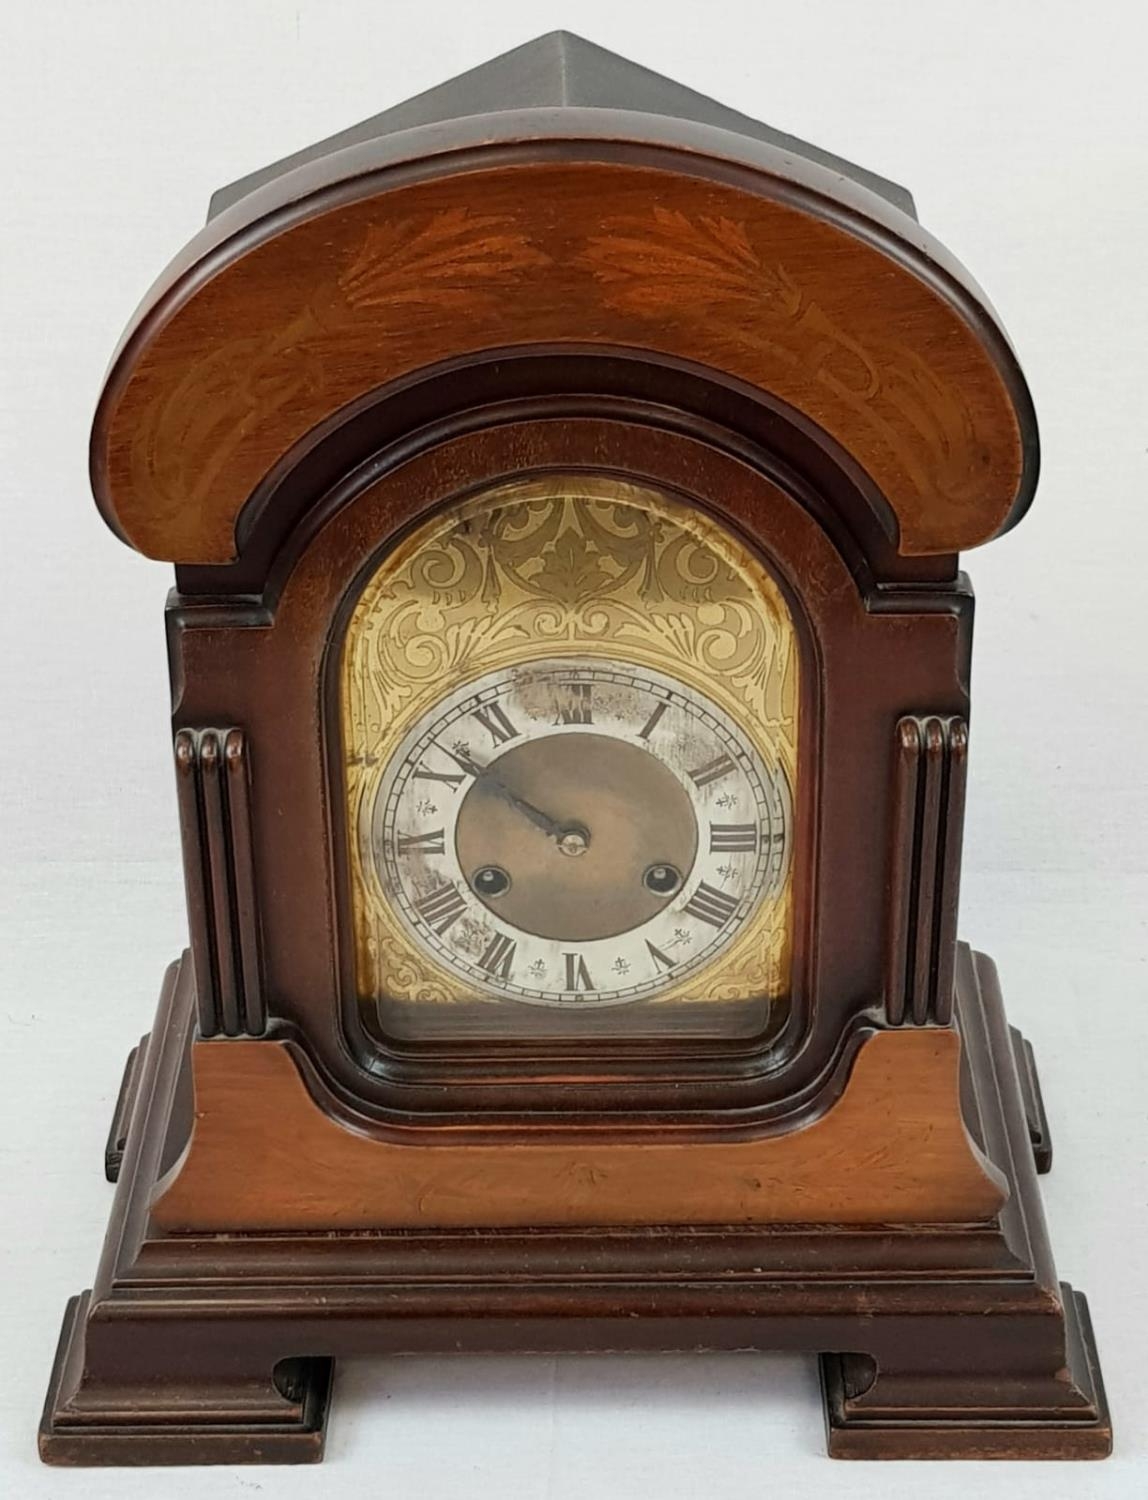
{"x": 652, "y": 722}
{"x": 710, "y": 905}
{"x": 659, "y": 957}
{"x": 451, "y": 780}
{"x": 733, "y": 838}
{"x": 499, "y": 956}
{"x": 441, "y": 908}
{"x": 493, "y": 719}
{"x": 577, "y": 710}
{"x": 577, "y": 974}
{"x": 713, "y": 770}
{"x": 428, "y": 843}
{"x": 462, "y": 757}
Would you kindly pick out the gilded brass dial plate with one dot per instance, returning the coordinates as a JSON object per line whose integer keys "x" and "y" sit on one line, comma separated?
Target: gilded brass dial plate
{"x": 569, "y": 713}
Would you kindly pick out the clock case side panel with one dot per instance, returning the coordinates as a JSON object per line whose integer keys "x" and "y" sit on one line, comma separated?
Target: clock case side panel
{"x": 882, "y": 644}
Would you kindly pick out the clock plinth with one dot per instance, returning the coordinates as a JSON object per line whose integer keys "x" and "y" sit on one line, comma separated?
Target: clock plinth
{"x": 570, "y": 662}
{"x": 960, "y": 1335}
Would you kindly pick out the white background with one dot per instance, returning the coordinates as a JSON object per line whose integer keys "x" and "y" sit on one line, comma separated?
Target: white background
{"x": 1021, "y": 129}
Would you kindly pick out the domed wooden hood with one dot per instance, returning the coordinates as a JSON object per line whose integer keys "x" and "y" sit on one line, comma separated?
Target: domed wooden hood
{"x": 560, "y": 198}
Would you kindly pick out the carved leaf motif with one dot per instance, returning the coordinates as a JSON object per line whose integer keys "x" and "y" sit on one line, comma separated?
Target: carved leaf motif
{"x": 672, "y": 264}
{"x": 448, "y": 261}
{"x": 186, "y": 439}
{"x": 927, "y": 405}
{"x": 444, "y": 261}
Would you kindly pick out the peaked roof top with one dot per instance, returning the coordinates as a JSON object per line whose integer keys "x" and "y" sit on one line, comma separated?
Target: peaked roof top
{"x": 559, "y": 70}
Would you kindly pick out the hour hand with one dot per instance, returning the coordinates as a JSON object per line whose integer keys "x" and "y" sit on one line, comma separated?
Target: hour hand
{"x": 571, "y": 838}
{"x": 540, "y": 819}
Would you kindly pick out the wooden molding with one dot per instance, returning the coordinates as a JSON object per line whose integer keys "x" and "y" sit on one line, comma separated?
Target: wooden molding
{"x": 212, "y": 767}
{"x": 925, "y": 831}
{"x": 265, "y": 1155}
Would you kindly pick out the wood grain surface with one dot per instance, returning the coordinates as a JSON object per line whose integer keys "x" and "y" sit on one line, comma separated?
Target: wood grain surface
{"x": 281, "y": 330}
{"x": 893, "y": 1149}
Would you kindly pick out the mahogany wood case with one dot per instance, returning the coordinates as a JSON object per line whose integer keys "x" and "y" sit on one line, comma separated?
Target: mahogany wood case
{"x": 559, "y": 264}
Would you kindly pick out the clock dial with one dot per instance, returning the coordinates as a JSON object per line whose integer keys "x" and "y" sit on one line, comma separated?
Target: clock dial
{"x": 576, "y": 833}
{"x": 569, "y": 711}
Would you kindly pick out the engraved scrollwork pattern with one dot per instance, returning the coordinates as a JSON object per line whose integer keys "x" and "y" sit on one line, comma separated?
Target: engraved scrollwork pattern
{"x": 580, "y": 564}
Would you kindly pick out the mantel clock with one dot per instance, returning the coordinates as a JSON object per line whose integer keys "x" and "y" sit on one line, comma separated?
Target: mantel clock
{"x": 564, "y": 477}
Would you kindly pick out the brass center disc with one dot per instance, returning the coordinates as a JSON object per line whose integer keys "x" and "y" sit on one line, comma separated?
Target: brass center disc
{"x": 634, "y": 810}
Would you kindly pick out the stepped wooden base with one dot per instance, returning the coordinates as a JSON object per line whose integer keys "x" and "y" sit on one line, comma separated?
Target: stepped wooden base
{"x": 879, "y": 1422}
{"x": 280, "y": 1420}
{"x": 956, "y": 1339}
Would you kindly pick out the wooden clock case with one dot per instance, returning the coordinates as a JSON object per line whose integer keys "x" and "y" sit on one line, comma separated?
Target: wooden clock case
{"x": 563, "y": 263}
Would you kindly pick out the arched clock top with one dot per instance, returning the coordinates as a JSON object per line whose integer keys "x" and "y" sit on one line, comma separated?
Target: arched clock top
{"x": 681, "y": 241}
